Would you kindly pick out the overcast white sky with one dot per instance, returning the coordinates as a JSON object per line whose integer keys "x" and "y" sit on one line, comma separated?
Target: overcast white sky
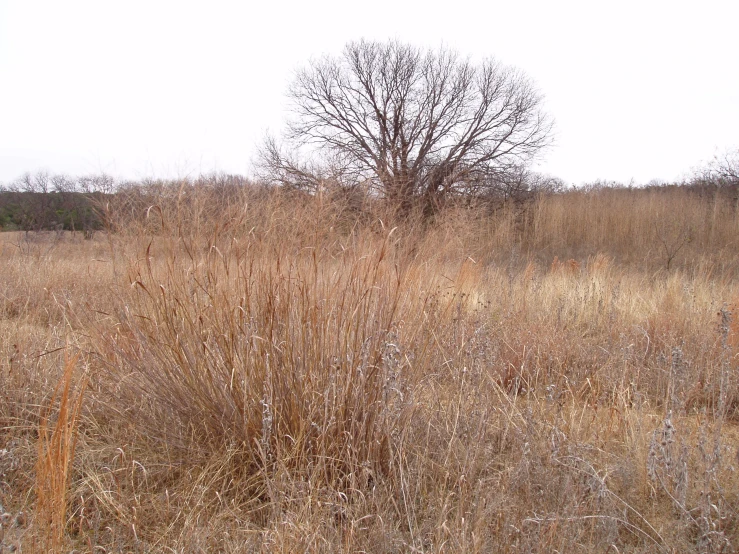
{"x": 639, "y": 89}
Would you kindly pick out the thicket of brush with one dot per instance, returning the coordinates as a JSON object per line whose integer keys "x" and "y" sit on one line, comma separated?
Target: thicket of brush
{"x": 273, "y": 371}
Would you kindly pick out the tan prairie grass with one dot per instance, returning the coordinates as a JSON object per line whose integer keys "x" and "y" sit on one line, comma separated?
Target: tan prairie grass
{"x": 56, "y": 446}
{"x": 253, "y": 350}
{"x": 651, "y": 228}
{"x": 273, "y": 372}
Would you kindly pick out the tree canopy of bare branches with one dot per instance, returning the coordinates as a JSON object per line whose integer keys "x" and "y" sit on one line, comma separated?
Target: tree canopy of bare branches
{"x": 726, "y": 167}
{"x": 722, "y": 171}
{"x": 414, "y": 123}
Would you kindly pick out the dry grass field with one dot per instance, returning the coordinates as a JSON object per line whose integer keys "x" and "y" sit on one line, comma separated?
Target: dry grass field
{"x": 274, "y": 373}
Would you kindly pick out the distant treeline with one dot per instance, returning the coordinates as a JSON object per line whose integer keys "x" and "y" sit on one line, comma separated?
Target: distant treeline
{"x": 43, "y": 202}
{"x": 47, "y": 211}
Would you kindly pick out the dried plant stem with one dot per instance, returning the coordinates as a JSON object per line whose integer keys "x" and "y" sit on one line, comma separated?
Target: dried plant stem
{"x": 56, "y": 445}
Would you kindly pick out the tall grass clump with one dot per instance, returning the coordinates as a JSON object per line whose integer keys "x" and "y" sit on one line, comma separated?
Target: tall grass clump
{"x": 56, "y": 446}
{"x": 288, "y": 358}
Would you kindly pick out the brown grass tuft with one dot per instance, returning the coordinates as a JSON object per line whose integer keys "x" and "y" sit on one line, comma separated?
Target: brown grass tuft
{"x": 56, "y": 445}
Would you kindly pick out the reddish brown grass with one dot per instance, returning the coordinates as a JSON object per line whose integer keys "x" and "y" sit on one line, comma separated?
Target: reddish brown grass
{"x": 56, "y": 445}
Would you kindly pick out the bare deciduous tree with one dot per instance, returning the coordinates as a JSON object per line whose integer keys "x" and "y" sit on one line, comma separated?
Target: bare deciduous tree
{"x": 102, "y": 183}
{"x": 723, "y": 170}
{"x": 63, "y": 184}
{"x": 515, "y": 184}
{"x": 288, "y": 170}
{"x": 417, "y": 124}
{"x": 726, "y": 167}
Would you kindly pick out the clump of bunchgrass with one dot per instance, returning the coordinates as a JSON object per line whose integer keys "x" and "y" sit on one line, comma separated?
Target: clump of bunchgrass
{"x": 56, "y": 446}
{"x": 293, "y": 360}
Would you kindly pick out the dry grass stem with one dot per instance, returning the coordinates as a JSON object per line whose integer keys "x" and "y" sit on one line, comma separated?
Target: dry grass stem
{"x": 56, "y": 445}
